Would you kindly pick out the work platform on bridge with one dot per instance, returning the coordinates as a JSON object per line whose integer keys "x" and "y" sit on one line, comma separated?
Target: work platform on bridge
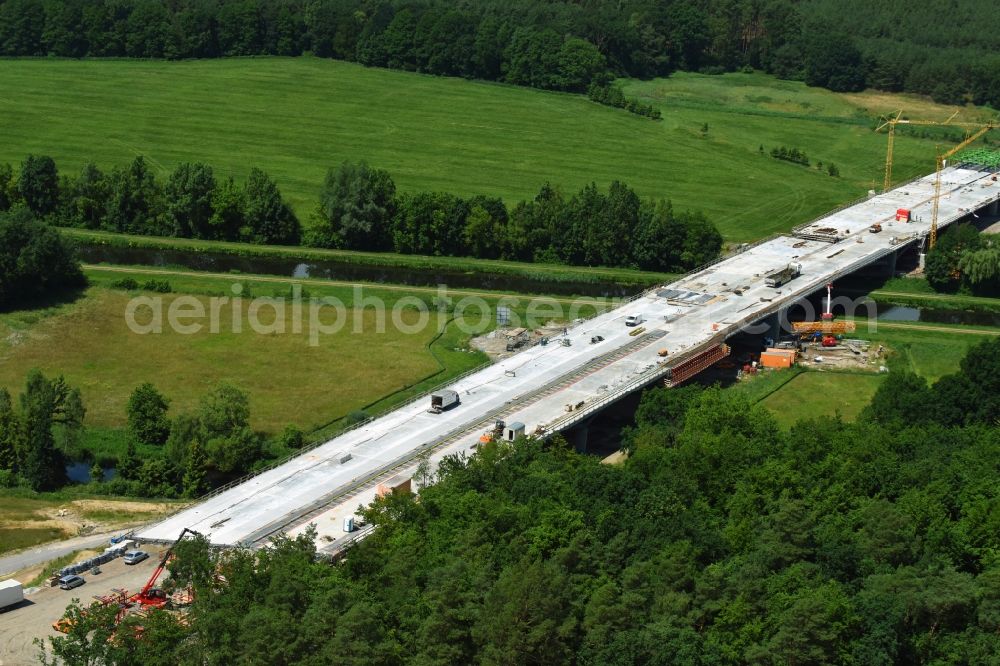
{"x": 685, "y": 319}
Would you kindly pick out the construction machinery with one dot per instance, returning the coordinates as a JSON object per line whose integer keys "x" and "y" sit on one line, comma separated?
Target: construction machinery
{"x": 153, "y": 596}
{"x": 786, "y": 274}
{"x": 939, "y": 165}
{"x": 890, "y": 125}
{"x": 493, "y": 435}
{"x": 828, "y": 314}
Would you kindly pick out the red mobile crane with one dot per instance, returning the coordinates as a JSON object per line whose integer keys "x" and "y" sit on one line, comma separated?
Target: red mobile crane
{"x": 150, "y": 595}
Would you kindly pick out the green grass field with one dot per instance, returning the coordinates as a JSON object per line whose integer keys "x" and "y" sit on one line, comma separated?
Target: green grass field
{"x": 813, "y": 394}
{"x": 296, "y": 117}
{"x": 930, "y": 350}
{"x": 289, "y": 380}
{"x": 917, "y": 292}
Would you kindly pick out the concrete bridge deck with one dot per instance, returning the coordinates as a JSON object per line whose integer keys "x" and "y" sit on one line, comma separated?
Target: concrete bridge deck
{"x": 326, "y": 484}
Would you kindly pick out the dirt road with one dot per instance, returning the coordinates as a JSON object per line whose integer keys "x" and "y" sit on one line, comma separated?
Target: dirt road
{"x": 20, "y": 625}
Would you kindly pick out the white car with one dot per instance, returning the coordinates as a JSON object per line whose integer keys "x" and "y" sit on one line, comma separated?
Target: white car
{"x": 633, "y": 320}
{"x": 135, "y": 556}
{"x": 70, "y": 582}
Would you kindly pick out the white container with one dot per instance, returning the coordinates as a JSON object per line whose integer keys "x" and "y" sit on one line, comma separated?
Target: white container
{"x": 513, "y": 431}
{"x": 11, "y": 593}
{"x": 349, "y": 524}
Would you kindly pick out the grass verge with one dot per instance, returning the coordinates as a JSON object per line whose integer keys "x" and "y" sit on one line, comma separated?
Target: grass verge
{"x": 52, "y": 567}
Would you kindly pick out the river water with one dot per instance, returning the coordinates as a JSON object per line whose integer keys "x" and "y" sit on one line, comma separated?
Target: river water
{"x": 937, "y": 316}
{"x": 223, "y": 262}
{"x": 79, "y": 472}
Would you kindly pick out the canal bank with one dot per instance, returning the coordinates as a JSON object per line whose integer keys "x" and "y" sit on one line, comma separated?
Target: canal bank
{"x": 376, "y": 268}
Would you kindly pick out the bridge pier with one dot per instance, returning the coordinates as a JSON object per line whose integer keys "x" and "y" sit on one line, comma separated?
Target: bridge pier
{"x": 772, "y": 324}
{"x": 994, "y": 208}
{"x": 890, "y": 263}
{"x": 579, "y": 434}
{"x": 884, "y": 267}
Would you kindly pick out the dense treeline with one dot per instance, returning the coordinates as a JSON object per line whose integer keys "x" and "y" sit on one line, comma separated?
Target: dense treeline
{"x": 35, "y": 261}
{"x": 131, "y": 199}
{"x": 181, "y": 457}
{"x": 722, "y": 540}
{"x": 947, "y": 49}
{"x": 964, "y": 260}
{"x": 360, "y": 210}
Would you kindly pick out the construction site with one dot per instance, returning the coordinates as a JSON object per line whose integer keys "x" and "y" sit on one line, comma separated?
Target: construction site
{"x": 667, "y": 334}
{"x": 731, "y": 314}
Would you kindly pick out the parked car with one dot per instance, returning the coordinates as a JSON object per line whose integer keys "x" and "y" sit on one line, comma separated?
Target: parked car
{"x": 69, "y": 582}
{"x": 135, "y": 556}
{"x": 633, "y": 320}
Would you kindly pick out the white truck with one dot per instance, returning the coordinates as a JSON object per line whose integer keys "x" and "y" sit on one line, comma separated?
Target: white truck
{"x": 786, "y": 274}
{"x": 11, "y": 593}
{"x": 633, "y": 320}
{"x": 442, "y": 400}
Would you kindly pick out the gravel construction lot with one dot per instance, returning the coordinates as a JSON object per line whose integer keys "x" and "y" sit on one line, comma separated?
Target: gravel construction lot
{"x": 33, "y": 618}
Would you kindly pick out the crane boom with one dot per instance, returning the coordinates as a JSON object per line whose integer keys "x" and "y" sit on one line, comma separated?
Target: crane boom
{"x": 939, "y": 165}
{"x": 147, "y": 596}
{"x": 891, "y": 123}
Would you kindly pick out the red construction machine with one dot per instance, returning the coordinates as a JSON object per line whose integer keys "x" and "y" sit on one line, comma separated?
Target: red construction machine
{"x": 150, "y": 595}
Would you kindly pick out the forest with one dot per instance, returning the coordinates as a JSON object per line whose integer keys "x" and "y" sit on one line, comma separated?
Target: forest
{"x": 723, "y": 539}
{"x": 947, "y": 49}
{"x": 359, "y": 209}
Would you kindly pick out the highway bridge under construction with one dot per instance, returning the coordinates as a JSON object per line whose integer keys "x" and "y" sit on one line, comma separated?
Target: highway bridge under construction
{"x": 555, "y": 387}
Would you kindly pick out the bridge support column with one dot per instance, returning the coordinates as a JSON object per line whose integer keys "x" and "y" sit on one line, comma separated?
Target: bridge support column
{"x": 578, "y": 435}
{"x": 890, "y": 263}
{"x": 994, "y": 207}
{"x": 772, "y": 324}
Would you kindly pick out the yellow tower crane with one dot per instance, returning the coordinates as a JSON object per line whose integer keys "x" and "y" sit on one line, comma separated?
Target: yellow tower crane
{"x": 891, "y": 123}
{"x": 941, "y": 157}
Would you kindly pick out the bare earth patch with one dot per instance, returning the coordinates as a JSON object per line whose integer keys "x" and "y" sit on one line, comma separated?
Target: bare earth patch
{"x": 494, "y": 343}
{"x": 77, "y": 517}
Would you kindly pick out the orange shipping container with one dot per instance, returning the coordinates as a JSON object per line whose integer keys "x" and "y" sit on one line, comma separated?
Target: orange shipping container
{"x": 777, "y": 358}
